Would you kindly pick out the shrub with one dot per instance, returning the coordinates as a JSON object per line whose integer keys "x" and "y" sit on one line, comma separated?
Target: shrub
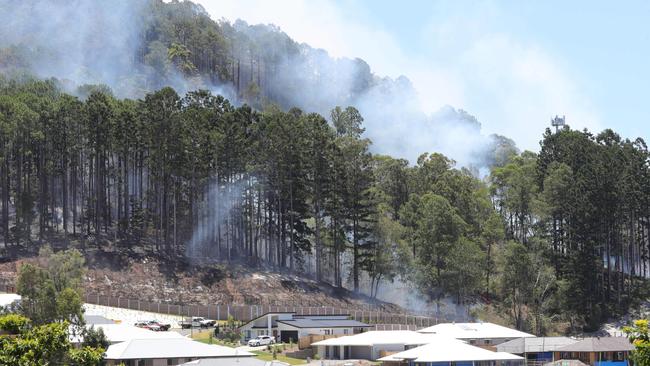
{"x": 13, "y": 323}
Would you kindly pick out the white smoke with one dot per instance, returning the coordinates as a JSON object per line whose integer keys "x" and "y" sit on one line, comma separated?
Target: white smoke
{"x": 213, "y": 215}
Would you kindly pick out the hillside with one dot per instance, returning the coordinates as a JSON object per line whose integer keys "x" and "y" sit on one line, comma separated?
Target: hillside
{"x": 147, "y": 279}
{"x": 291, "y": 160}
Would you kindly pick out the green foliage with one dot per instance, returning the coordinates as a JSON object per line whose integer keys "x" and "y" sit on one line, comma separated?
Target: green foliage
{"x": 194, "y": 175}
{"x": 638, "y": 335}
{"x": 95, "y": 338}
{"x": 13, "y": 323}
{"x": 53, "y": 293}
{"x": 46, "y": 345}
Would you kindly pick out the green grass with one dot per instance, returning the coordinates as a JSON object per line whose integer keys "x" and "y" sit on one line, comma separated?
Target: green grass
{"x": 204, "y": 337}
{"x": 268, "y": 356}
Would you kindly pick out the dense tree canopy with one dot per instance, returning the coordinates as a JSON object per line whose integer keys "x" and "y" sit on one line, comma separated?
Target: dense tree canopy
{"x": 555, "y": 236}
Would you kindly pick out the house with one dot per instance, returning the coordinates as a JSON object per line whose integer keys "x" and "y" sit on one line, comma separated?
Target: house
{"x": 290, "y": 326}
{"x": 537, "y": 350}
{"x": 234, "y": 361}
{"x": 479, "y": 334}
{"x": 164, "y": 352}
{"x": 597, "y": 351}
{"x": 373, "y": 345}
{"x": 117, "y": 333}
{"x": 97, "y": 320}
{"x": 7, "y": 300}
{"x": 452, "y": 353}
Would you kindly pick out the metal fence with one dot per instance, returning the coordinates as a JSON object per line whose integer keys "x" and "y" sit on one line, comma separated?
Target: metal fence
{"x": 382, "y": 320}
{"x": 248, "y": 312}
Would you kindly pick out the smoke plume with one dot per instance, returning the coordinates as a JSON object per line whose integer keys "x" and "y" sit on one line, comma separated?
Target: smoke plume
{"x": 103, "y": 42}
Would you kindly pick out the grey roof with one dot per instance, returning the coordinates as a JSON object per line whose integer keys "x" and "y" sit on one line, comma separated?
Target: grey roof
{"x": 534, "y": 344}
{"x": 97, "y": 319}
{"x": 324, "y": 323}
{"x": 599, "y": 344}
{"x": 233, "y": 361}
{"x": 265, "y": 314}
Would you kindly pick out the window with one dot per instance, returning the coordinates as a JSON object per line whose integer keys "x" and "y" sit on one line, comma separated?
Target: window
{"x": 328, "y": 331}
{"x": 487, "y": 341}
{"x": 171, "y": 361}
{"x": 346, "y": 331}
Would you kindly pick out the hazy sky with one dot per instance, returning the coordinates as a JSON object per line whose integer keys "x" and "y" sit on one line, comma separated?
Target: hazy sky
{"x": 513, "y": 64}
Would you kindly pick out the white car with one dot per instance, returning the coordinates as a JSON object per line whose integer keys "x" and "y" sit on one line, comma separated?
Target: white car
{"x": 262, "y": 340}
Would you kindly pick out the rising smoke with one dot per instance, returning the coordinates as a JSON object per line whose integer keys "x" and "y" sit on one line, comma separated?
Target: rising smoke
{"x": 213, "y": 215}
{"x": 100, "y": 42}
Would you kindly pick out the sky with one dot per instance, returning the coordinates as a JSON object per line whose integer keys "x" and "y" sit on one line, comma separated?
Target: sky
{"x": 512, "y": 64}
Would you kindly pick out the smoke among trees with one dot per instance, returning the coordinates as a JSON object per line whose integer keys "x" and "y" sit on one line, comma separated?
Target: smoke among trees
{"x": 290, "y": 175}
{"x": 144, "y": 45}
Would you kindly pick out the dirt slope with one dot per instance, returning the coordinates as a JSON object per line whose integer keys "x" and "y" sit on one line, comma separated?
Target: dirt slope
{"x": 147, "y": 279}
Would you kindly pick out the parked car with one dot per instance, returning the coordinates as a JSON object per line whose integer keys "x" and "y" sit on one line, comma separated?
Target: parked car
{"x": 156, "y": 323}
{"x": 146, "y": 325}
{"x": 262, "y": 340}
{"x": 197, "y": 322}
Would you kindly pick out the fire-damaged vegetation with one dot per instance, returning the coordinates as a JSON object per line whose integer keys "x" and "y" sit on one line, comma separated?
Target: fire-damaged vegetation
{"x": 160, "y": 188}
{"x": 144, "y": 280}
{"x": 194, "y": 199}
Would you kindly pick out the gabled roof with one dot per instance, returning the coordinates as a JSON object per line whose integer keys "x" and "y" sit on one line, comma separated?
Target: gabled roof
{"x": 536, "y": 344}
{"x": 97, "y": 319}
{"x": 474, "y": 331}
{"x": 449, "y": 352}
{"x": 599, "y": 344}
{"x": 371, "y": 338}
{"x": 234, "y": 361}
{"x": 169, "y": 348}
{"x": 324, "y": 323}
{"x": 116, "y": 333}
{"x": 265, "y": 314}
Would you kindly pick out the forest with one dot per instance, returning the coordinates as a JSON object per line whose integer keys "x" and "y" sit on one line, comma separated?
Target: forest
{"x": 232, "y": 143}
{"x": 563, "y": 231}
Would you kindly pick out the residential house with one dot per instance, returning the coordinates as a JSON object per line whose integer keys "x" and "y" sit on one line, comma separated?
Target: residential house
{"x": 597, "y": 351}
{"x": 166, "y": 352}
{"x": 448, "y": 353}
{"x": 117, "y": 333}
{"x": 290, "y": 326}
{"x": 478, "y": 334}
{"x": 373, "y": 345}
{"x": 538, "y": 350}
{"x": 234, "y": 361}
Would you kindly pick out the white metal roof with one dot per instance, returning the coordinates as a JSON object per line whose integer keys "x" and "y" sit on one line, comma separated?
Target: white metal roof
{"x": 169, "y": 348}
{"x": 234, "y": 361}
{"x": 449, "y": 352}
{"x": 404, "y": 337}
{"x": 537, "y": 344}
{"x": 122, "y": 332}
{"x": 474, "y": 331}
{"x": 8, "y": 299}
